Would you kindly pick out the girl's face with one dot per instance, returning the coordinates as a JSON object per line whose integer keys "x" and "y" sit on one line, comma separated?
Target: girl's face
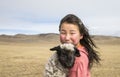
{"x": 69, "y": 33}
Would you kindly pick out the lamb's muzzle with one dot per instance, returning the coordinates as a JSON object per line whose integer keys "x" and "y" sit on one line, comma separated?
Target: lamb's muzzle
{"x": 67, "y": 46}
{"x": 66, "y": 54}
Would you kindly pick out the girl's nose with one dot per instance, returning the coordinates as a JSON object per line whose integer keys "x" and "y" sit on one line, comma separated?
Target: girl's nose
{"x": 67, "y": 37}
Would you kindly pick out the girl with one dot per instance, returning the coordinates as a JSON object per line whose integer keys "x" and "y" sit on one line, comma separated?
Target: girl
{"x": 73, "y": 31}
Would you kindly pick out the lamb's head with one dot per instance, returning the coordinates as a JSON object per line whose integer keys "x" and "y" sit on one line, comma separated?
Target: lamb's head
{"x": 66, "y": 54}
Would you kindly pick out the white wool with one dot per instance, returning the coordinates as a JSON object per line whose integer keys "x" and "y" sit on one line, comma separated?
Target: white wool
{"x": 67, "y": 46}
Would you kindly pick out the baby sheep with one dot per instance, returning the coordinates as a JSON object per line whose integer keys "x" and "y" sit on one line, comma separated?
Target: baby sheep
{"x": 66, "y": 54}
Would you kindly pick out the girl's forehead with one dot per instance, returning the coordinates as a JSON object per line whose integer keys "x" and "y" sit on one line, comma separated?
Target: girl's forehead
{"x": 67, "y": 26}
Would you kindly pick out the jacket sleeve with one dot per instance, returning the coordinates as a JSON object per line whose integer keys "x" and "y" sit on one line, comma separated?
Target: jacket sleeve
{"x": 80, "y": 68}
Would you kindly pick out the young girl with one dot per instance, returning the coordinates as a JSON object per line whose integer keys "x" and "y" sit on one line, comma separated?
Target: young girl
{"x": 73, "y": 31}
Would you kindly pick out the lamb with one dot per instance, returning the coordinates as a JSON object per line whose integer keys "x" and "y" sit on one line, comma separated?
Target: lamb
{"x": 62, "y": 60}
{"x": 66, "y": 54}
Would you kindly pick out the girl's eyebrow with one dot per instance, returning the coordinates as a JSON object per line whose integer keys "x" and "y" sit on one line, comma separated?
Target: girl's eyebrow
{"x": 72, "y": 30}
{"x": 62, "y": 30}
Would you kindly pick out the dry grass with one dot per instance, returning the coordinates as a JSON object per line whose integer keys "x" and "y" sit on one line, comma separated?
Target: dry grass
{"x": 110, "y": 64}
{"x": 28, "y": 60}
{"x": 23, "y": 60}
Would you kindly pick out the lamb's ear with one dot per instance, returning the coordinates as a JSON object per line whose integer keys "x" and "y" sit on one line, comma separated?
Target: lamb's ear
{"x": 55, "y": 48}
{"x": 77, "y": 52}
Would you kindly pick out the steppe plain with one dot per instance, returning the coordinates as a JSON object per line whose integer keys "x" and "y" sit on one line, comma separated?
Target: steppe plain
{"x": 25, "y": 55}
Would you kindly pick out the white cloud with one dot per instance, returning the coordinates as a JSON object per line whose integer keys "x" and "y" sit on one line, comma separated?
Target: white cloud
{"x": 30, "y": 14}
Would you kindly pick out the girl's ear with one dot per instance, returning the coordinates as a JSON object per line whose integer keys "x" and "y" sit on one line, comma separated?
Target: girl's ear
{"x": 55, "y": 48}
{"x": 58, "y": 49}
{"x": 81, "y": 36}
{"x": 77, "y": 52}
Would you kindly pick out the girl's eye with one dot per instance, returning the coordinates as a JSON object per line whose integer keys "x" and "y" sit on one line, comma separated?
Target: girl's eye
{"x": 72, "y": 33}
{"x": 62, "y": 33}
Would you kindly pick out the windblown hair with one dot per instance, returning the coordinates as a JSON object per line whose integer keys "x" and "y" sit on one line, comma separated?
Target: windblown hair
{"x": 87, "y": 42}
{"x": 66, "y": 54}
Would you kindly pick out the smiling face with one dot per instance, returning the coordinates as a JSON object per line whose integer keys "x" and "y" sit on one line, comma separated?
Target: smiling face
{"x": 69, "y": 33}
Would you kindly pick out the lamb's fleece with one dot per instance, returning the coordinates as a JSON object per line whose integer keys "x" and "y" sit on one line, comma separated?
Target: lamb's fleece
{"x": 54, "y": 69}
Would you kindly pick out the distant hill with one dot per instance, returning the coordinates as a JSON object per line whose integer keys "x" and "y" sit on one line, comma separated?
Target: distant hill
{"x": 53, "y": 37}
{"x": 29, "y": 38}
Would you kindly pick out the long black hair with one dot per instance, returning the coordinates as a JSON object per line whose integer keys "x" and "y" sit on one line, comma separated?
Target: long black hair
{"x": 86, "y": 41}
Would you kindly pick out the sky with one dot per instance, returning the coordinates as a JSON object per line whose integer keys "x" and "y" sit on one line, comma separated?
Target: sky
{"x": 101, "y": 17}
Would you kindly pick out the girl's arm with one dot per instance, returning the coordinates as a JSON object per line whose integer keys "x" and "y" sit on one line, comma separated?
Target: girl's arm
{"x": 80, "y": 68}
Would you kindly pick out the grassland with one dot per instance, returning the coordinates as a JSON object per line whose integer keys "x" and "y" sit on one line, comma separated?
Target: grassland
{"x": 110, "y": 64}
{"x": 28, "y": 59}
{"x": 23, "y": 60}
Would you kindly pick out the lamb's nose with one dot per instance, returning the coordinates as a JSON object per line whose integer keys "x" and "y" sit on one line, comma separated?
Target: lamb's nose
{"x": 69, "y": 64}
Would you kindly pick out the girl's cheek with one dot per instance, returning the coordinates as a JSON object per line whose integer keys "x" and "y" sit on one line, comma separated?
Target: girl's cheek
{"x": 75, "y": 40}
{"x": 62, "y": 38}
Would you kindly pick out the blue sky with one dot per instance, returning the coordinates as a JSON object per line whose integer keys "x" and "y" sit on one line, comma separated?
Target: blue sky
{"x": 102, "y": 17}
